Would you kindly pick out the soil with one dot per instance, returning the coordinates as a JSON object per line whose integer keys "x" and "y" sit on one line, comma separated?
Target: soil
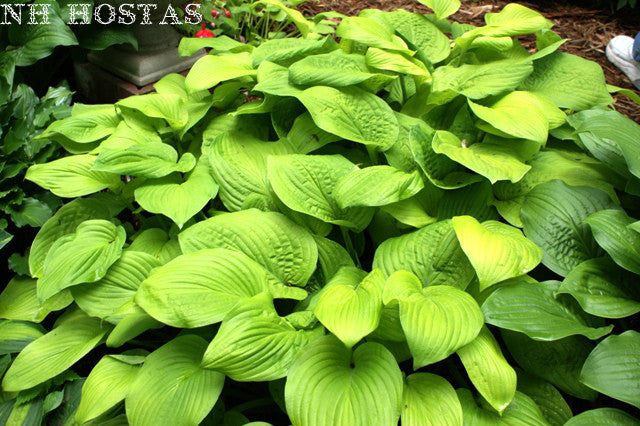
{"x": 588, "y": 28}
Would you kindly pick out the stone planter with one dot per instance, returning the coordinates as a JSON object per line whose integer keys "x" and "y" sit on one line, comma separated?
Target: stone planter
{"x": 157, "y": 53}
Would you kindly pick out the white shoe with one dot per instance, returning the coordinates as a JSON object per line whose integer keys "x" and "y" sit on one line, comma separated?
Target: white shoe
{"x": 620, "y": 53}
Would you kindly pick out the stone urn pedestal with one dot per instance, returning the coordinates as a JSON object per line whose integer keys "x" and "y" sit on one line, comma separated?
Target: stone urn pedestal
{"x": 131, "y": 71}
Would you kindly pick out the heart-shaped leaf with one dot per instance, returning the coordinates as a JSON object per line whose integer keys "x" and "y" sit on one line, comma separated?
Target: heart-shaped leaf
{"x": 613, "y": 367}
{"x": 603, "y": 289}
{"x": 433, "y": 253}
{"x": 427, "y": 396}
{"x": 376, "y": 186}
{"x": 437, "y": 320}
{"x": 497, "y": 251}
{"x": 555, "y": 208}
{"x": 84, "y": 256}
{"x": 51, "y": 354}
{"x": 610, "y": 229}
{"x": 172, "y": 387}
{"x": 107, "y": 384}
{"x": 307, "y": 184}
{"x": 255, "y": 344}
{"x": 533, "y": 309}
{"x": 285, "y": 249}
{"x": 351, "y": 309}
{"x": 327, "y": 385}
{"x": 176, "y": 198}
{"x": 200, "y": 288}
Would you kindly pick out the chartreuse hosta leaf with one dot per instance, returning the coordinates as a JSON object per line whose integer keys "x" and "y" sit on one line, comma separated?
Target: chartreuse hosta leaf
{"x": 522, "y": 411}
{"x": 197, "y": 104}
{"x": 394, "y": 61}
{"x": 307, "y": 183}
{"x": 433, "y": 253}
{"x": 489, "y": 372}
{"x": 239, "y": 166}
{"x": 611, "y": 232}
{"x": 255, "y": 344}
{"x": 189, "y": 46}
{"x": 305, "y": 136}
{"x": 477, "y": 81}
{"x": 352, "y": 114}
{"x": 331, "y": 257}
{"x": 351, "y": 309}
{"x": 171, "y": 387}
{"x": 330, "y": 385}
{"x": 439, "y": 168}
{"x": 437, "y": 320}
{"x": 18, "y": 301}
{"x": 603, "y": 417}
{"x": 286, "y": 51}
{"x": 335, "y": 69}
{"x": 227, "y": 67}
{"x": 421, "y": 35}
{"x": 550, "y": 401}
{"x": 285, "y": 249}
{"x": 134, "y": 322}
{"x": 177, "y": 198}
{"x": 15, "y": 335}
{"x": 512, "y": 20}
{"x": 170, "y": 107}
{"x": 496, "y": 158}
{"x": 603, "y": 289}
{"x": 442, "y": 8}
{"x": 569, "y": 81}
{"x": 84, "y": 256}
{"x": 107, "y": 384}
{"x": 472, "y": 200}
{"x": 497, "y": 251}
{"x": 572, "y": 167}
{"x": 117, "y": 287}
{"x": 371, "y": 33}
{"x": 72, "y": 176}
{"x": 610, "y": 137}
{"x": 74, "y": 336}
{"x": 533, "y": 309}
{"x": 559, "y": 361}
{"x": 376, "y": 186}
{"x": 156, "y": 242}
{"x": 429, "y": 400}
{"x": 200, "y": 288}
{"x": 151, "y": 160}
{"x": 516, "y": 114}
{"x": 85, "y": 125}
{"x": 613, "y": 367}
{"x": 64, "y": 222}
{"x": 555, "y": 208}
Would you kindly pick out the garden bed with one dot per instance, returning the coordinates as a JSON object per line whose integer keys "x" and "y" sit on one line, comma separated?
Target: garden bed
{"x": 588, "y": 28}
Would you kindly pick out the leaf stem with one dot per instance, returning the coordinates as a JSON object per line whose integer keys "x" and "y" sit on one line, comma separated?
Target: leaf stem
{"x": 373, "y": 155}
{"x": 262, "y": 402}
{"x": 349, "y": 244}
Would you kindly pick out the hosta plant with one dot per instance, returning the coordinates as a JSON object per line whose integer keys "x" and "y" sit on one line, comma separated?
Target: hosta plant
{"x": 421, "y": 223}
{"x": 27, "y": 66}
{"x": 253, "y": 22}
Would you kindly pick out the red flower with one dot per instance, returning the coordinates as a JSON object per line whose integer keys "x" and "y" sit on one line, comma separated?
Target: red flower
{"x": 227, "y": 14}
{"x": 204, "y": 32}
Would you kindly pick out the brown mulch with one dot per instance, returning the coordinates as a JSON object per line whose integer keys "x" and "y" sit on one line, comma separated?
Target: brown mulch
{"x": 588, "y": 28}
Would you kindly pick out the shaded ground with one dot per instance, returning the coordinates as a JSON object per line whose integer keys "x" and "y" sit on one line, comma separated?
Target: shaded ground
{"x": 589, "y": 27}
